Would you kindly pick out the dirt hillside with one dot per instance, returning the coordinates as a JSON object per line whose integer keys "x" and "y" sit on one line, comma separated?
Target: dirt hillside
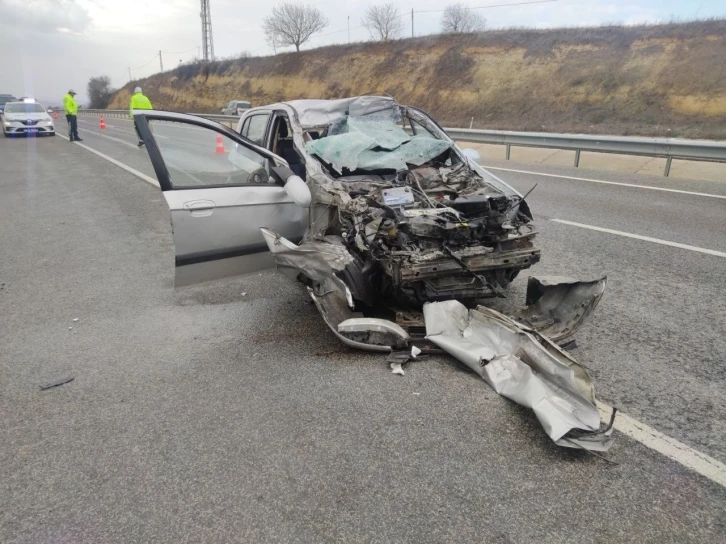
{"x": 650, "y": 80}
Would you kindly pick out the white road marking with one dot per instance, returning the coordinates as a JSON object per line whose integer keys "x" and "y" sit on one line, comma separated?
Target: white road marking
{"x": 119, "y": 140}
{"x": 670, "y": 447}
{"x": 607, "y": 182}
{"x": 645, "y": 238}
{"x": 121, "y": 165}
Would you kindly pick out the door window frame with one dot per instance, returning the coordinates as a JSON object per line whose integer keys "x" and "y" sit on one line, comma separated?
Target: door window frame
{"x": 157, "y": 161}
{"x": 267, "y": 126}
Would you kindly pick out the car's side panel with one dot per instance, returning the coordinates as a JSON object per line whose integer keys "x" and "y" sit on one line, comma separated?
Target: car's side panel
{"x": 216, "y": 231}
{"x": 231, "y": 218}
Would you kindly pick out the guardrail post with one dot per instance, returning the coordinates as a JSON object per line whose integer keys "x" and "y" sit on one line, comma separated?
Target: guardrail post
{"x": 471, "y": 123}
{"x": 577, "y": 158}
{"x": 509, "y": 151}
{"x": 669, "y": 160}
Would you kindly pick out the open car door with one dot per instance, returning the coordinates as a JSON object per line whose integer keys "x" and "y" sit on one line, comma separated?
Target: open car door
{"x": 220, "y": 188}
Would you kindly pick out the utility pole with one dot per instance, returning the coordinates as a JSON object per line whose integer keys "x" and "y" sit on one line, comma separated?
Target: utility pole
{"x": 129, "y": 73}
{"x": 349, "y": 29}
{"x": 412, "y": 22}
{"x": 161, "y": 62}
{"x": 207, "y": 41}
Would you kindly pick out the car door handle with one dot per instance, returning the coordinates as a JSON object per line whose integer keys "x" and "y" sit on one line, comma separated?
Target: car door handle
{"x": 200, "y": 208}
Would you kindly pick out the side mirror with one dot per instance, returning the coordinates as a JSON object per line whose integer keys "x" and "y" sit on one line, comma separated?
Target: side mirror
{"x": 472, "y": 154}
{"x": 298, "y": 190}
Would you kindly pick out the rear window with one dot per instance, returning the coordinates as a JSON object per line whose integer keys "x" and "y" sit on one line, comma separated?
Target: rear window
{"x": 22, "y": 107}
{"x": 5, "y": 99}
{"x": 243, "y": 105}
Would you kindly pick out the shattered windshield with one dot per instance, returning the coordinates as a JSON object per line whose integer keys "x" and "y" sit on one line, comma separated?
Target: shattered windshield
{"x": 375, "y": 142}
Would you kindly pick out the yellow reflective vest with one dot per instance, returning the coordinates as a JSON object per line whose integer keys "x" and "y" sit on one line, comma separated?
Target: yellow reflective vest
{"x": 70, "y": 107}
{"x": 139, "y": 102}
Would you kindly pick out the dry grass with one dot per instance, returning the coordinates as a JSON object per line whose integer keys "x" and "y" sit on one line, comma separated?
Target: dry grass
{"x": 651, "y": 80}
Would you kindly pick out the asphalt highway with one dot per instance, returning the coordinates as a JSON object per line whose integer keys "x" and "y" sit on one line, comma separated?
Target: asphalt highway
{"x": 227, "y": 412}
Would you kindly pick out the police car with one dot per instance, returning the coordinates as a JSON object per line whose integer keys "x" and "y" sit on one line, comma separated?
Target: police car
{"x": 26, "y": 117}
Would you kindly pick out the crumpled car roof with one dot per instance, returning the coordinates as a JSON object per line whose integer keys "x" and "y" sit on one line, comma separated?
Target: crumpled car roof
{"x": 316, "y": 113}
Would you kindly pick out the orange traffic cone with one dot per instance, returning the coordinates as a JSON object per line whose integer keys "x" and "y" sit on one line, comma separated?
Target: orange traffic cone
{"x": 220, "y": 146}
{"x": 102, "y": 123}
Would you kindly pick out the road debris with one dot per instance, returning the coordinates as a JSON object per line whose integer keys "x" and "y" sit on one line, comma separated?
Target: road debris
{"x": 75, "y": 320}
{"x": 56, "y": 383}
{"x": 524, "y": 366}
{"x": 558, "y": 306}
{"x": 396, "y": 368}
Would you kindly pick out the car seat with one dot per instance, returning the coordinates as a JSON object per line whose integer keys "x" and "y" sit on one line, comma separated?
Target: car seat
{"x": 286, "y": 150}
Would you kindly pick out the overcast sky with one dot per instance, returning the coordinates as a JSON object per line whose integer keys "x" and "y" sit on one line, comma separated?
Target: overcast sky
{"x": 49, "y": 46}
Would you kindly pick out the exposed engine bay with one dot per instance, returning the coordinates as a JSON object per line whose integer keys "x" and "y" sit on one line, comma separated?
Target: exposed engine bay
{"x": 422, "y": 222}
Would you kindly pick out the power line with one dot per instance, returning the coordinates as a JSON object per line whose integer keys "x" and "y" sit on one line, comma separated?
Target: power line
{"x": 195, "y": 48}
{"x": 146, "y": 64}
{"x": 406, "y": 14}
{"x": 494, "y": 6}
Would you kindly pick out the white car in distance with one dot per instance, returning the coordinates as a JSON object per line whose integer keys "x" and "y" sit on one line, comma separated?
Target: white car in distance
{"x": 26, "y": 118}
{"x": 236, "y": 107}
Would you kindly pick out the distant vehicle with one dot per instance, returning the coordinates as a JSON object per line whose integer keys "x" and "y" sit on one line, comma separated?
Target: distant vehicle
{"x": 236, "y": 107}
{"x": 4, "y": 98}
{"x": 26, "y": 118}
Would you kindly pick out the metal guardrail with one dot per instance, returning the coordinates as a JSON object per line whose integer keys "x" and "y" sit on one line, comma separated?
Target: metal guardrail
{"x": 667, "y": 148}
{"x": 125, "y": 113}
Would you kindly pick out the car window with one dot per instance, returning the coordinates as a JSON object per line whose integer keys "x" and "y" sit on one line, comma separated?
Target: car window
{"x": 245, "y": 127}
{"x": 24, "y": 107}
{"x": 199, "y": 156}
{"x": 257, "y": 128}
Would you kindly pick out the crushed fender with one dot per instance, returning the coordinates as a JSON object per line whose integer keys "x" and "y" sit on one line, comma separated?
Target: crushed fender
{"x": 524, "y": 366}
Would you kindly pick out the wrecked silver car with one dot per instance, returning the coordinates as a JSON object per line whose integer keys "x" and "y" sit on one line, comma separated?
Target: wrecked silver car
{"x": 396, "y": 233}
{"x": 422, "y": 221}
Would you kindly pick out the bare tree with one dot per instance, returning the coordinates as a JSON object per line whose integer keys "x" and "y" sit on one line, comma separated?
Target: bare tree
{"x": 99, "y": 92}
{"x": 292, "y": 24}
{"x": 383, "y": 21}
{"x": 460, "y": 18}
